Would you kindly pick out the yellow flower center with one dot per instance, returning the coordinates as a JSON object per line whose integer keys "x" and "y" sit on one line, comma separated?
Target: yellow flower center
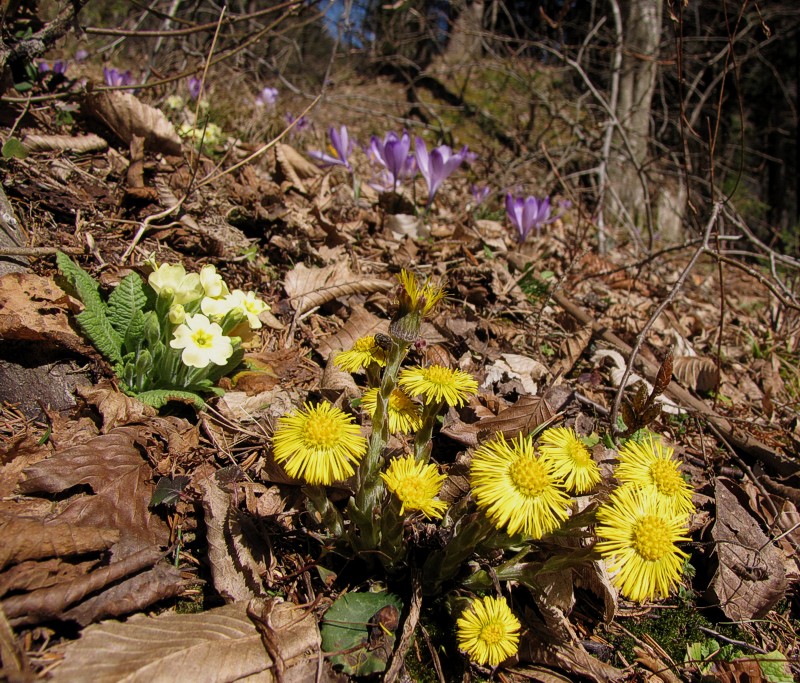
{"x": 529, "y": 476}
{"x": 408, "y": 490}
{"x": 491, "y": 634}
{"x": 666, "y": 479}
{"x": 202, "y": 339}
{"x": 651, "y": 538}
{"x": 364, "y": 344}
{"x": 578, "y": 453}
{"x": 323, "y": 431}
{"x": 437, "y": 374}
{"x": 399, "y": 402}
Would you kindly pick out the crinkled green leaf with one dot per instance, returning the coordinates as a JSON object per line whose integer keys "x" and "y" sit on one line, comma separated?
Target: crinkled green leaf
{"x": 96, "y": 326}
{"x": 775, "y": 667}
{"x": 134, "y": 332}
{"x": 127, "y": 299}
{"x": 233, "y": 362}
{"x": 85, "y": 287}
{"x": 346, "y": 626}
{"x": 158, "y": 398}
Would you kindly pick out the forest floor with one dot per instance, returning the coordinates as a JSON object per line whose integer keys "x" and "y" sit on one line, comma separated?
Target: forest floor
{"x": 101, "y": 581}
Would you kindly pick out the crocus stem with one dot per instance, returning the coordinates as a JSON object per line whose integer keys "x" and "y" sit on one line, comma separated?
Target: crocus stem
{"x": 331, "y": 517}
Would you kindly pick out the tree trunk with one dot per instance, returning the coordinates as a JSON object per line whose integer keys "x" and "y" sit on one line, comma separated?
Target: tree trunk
{"x": 629, "y": 195}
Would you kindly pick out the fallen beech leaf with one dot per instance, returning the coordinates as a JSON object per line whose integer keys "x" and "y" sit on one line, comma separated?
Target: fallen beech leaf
{"x": 132, "y": 595}
{"x": 215, "y": 646}
{"x": 750, "y": 578}
{"x": 32, "y": 575}
{"x": 27, "y": 539}
{"x": 81, "y": 144}
{"x": 311, "y": 287}
{"x": 116, "y": 408}
{"x": 571, "y": 350}
{"x": 120, "y": 478}
{"x": 235, "y": 571}
{"x": 696, "y": 372}
{"x": 128, "y": 116}
{"x": 294, "y": 167}
{"x": 523, "y": 417}
{"x": 34, "y": 309}
{"x": 50, "y": 603}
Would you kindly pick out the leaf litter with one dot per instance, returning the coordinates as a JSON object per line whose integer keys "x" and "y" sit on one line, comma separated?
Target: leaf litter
{"x": 83, "y": 541}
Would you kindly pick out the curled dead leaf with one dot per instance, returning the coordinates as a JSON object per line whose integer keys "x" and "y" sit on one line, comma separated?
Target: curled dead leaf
{"x": 696, "y": 372}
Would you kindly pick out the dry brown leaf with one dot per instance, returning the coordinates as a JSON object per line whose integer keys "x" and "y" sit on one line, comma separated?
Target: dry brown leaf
{"x": 308, "y": 288}
{"x": 34, "y": 309}
{"x": 571, "y": 350}
{"x": 13, "y": 661}
{"x": 29, "y": 539}
{"x": 294, "y": 167}
{"x": 116, "y": 408}
{"x": 50, "y": 603}
{"x": 31, "y": 575}
{"x": 81, "y": 144}
{"x": 536, "y": 646}
{"x": 127, "y": 116}
{"x": 698, "y": 373}
{"x": 750, "y": 578}
{"x": 121, "y": 480}
{"x": 360, "y": 324}
{"x": 214, "y": 646}
{"x": 235, "y": 571}
{"x": 132, "y": 595}
{"x": 523, "y": 417}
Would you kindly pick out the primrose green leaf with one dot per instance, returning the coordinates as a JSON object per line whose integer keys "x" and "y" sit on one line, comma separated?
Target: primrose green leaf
{"x": 158, "y": 398}
{"x": 125, "y": 301}
{"x": 95, "y": 325}
{"x": 14, "y": 149}
{"x": 352, "y": 621}
{"x": 83, "y": 283}
{"x": 134, "y": 333}
{"x": 775, "y": 667}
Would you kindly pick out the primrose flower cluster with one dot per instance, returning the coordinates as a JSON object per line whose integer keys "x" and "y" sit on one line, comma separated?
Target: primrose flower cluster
{"x": 522, "y": 488}
{"x": 171, "y": 337}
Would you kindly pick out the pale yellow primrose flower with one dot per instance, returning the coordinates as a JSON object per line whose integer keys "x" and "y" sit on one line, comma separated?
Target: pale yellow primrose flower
{"x": 177, "y": 314}
{"x": 248, "y": 303}
{"x": 202, "y": 342}
{"x": 184, "y": 287}
{"x": 213, "y": 284}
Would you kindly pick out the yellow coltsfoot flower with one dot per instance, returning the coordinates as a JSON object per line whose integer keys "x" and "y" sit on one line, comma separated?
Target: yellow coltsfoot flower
{"x": 572, "y": 459}
{"x": 319, "y": 444}
{"x": 650, "y": 465}
{"x": 404, "y": 414}
{"x": 516, "y": 488}
{"x": 488, "y": 631}
{"x": 437, "y": 383}
{"x": 365, "y": 351}
{"x": 202, "y": 342}
{"x": 416, "y": 486}
{"x": 639, "y": 549}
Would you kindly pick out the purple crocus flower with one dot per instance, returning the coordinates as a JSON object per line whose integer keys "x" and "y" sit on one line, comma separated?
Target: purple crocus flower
{"x": 302, "y": 125}
{"x": 526, "y": 214}
{"x": 59, "y": 67}
{"x": 195, "y": 85}
{"x": 341, "y": 147}
{"x": 393, "y": 154}
{"x": 81, "y": 55}
{"x": 115, "y": 78}
{"x": 267, "y": 98}
{"x": 479, "y": 193}
{"x": 437, "y": 166}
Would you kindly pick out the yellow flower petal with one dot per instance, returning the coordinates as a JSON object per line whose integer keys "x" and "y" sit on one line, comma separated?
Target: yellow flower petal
{"x": 416, "y": 485}
{"x": 572, "y": 459}
{"x": 488, "y": 631}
